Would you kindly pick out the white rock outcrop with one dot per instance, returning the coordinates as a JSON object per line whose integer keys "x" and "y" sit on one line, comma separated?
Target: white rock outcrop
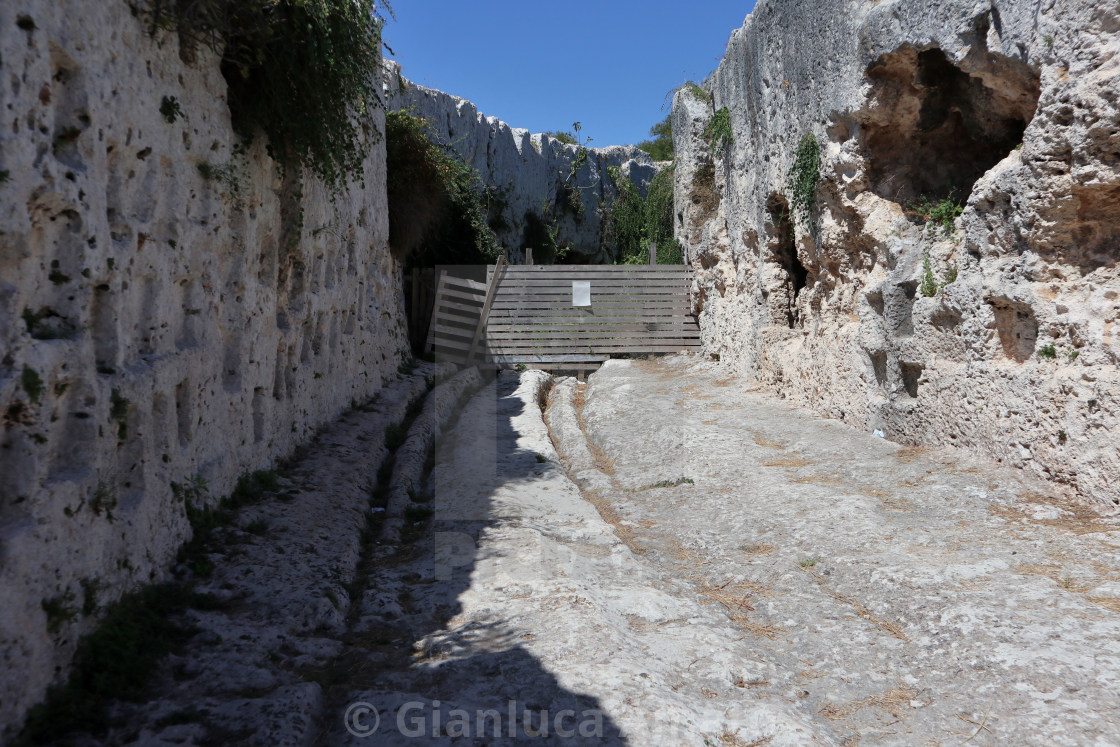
{"x": 1008, "y": 106}
{"x": 534, "y": 178}
{"x": 170, "y": 310}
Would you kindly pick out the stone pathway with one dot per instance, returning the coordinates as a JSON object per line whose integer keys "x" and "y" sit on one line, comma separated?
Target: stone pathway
{"x": 888, "y": 595}
{"x": 663, "y": 556}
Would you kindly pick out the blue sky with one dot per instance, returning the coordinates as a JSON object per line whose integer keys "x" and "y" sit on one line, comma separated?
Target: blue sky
{"x": 542, "y": 66}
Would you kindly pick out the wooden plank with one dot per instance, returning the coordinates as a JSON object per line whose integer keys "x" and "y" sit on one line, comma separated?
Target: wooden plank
{"x": 510, "y": 316}
{"x": 460, "y": 296}
{"x": 494, "y": 282}
{"x": 625, "y": 282}
{"x": 473, "y": 285}
{"x": 592, "y": 333}
{"x": 619, "y": 269}
{"x": 432, "y": 323}
{"x": 596, "y": 346}
{"x": 612, "y": 350}
{"x": 550, "y": 358}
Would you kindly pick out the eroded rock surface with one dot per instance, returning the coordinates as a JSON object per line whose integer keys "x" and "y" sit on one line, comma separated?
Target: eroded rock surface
{"x": 1008, "y": 108}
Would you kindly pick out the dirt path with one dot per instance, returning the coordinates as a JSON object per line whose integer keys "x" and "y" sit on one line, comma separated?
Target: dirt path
{"x": 660, "y": 557}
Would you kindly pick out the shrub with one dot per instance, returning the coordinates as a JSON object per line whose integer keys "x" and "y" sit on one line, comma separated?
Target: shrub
{"x": 564, "y": 137}
{"x": 303, "y": 72}
{"x": 633, "y": 222}
{"x": 660, "y": 148}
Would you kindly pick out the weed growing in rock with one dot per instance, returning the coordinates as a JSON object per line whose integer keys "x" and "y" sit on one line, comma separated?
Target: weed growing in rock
{"x": 1072, "y": 355}
{"x": 696, "y": 90}
{"x": 1048, "y": 352}
{"x": 169, "y": 109}
{"x": 718, "y": 133}
{"x": 103, "y": 501}
{"x": 5, "y": 176}
{"x": 809, "y": 562}
{"x": 671, "y": 483}
{"x": 1062, "y": 437}
{"x": 804, "y": 175}
{"x": 32, "y": 384}
{"x": 950, "y": 275}
{"x": 929, "y": 284}
{"x": 941, "y": 213}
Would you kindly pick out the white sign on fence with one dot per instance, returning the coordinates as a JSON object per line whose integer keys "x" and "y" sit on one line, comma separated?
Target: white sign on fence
{"x": 581, "y": 293}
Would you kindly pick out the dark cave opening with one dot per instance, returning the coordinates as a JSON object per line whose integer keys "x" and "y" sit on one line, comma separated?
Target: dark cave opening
{"x": 934, "y": 129}
{"x": 793, "y": 276}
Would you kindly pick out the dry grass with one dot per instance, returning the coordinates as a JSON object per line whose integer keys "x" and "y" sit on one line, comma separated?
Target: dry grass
{"x": 1112, "y": 604}
{"x": 767, "y": 443}
{"x": 1055, "y": 574}
{"x": 790, "y": 462}
{"x": 908, "y": 454}
{"x": 858, "y": 607}
{"x": 895, "y": 504}
{"x": 751, "y": 549}
{"x": 735, "y": 598}
{"x": 741, "y": 682}
{"x": 728, "y": 738}
{"x": 891, "y": 701}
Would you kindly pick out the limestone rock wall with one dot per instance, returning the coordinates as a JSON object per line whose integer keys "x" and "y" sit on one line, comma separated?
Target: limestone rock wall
{"x": 530, "y": 174}
{"x": 1008, "y": 105}
{"x": 170, "y": 308}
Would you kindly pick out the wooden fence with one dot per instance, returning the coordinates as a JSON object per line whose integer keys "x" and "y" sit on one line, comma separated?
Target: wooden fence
{"x": 564, "y": 316}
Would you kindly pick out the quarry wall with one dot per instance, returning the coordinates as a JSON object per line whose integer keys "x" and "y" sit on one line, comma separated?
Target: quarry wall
{"x": 1009, "y": 344}
{"x": 172, "y": 310}
{"x": 535, "y": 179}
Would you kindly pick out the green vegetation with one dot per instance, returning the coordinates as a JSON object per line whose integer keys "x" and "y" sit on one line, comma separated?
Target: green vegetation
{"x": 718, "y": 132}
{"x": 438, "y": 210}
{"x": 169, "y": 109}
{"x": 804, "y": 176}
{"x": 564, "y": 137}
{"x": 696, "y": 90}
{"x": 5, "y": 176}
{"x": 950, "y": 275}
{"x": 32, "y": 384}
{"x": 929, "y": 284}
{"x": 631, "y": 223}
{"x": 809, "y": 562}
{"x": 660, "y": 148}
{"x": 299, "y": 71}
{"x": 112, "y": 662}
{"x": 942, "y": 213}
{"x": 1048, "y": 352}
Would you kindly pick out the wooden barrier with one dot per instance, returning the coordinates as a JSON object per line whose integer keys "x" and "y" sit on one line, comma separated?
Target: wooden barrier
{"x": 634, "y": 309}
